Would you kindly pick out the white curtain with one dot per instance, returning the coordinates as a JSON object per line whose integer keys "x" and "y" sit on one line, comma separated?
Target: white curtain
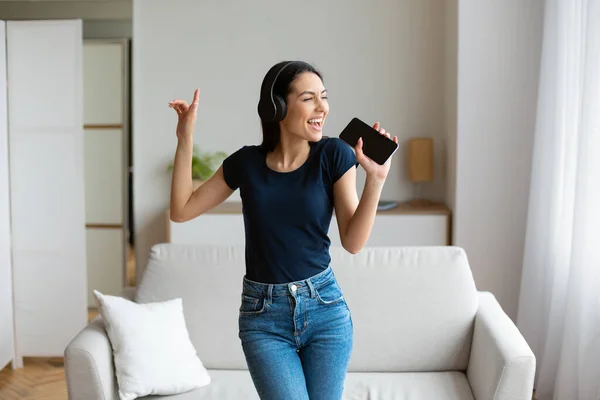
{"x": 559, "y": 305}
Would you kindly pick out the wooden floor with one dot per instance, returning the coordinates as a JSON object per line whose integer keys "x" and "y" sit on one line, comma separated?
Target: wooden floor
{"x": 130, "y": 268}
{"x": 40, "y": 379}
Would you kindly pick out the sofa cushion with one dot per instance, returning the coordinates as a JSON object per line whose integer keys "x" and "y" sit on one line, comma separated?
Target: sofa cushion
{"x": 413, "y": 308}
{"x": 225, "y": 385}
{"x": 450, "y": 385}
{"x": 236, "y": 385}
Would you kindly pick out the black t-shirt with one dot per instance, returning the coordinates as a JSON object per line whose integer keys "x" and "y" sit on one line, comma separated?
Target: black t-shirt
{"x": 287, "y": 214}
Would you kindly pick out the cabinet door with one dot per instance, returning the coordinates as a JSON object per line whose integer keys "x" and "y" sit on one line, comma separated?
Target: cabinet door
{"x": 105, "y": 262}
{"x": 47, "y": 187}
{"x": 103, "y": 66}
{"x": 104, "y": 170}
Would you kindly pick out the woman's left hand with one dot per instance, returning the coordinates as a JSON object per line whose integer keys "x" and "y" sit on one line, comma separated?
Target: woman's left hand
{"x": 371, "y": 167}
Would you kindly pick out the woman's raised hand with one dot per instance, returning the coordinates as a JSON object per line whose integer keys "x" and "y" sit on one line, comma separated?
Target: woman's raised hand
{"x": 186, "y": 116}
{"x": 373, "y": 169}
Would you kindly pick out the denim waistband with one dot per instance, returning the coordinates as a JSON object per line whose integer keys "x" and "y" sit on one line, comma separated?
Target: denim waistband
{"x": 290, "y": 288}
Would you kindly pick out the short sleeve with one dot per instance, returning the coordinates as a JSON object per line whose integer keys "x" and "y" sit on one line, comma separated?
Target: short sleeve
{"x": 341, "y": 158}
{"x": 232, "y": 168}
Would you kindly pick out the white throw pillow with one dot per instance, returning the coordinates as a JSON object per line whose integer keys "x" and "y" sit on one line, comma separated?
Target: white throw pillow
{"x": 152, "y": 350}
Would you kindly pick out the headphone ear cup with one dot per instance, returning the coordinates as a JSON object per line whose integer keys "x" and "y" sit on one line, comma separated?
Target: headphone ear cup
{"x": 265, "y": 109}
{"x": 280, "y": 108}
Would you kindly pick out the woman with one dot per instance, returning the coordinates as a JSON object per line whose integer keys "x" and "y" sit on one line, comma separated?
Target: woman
{"x": 294, "y": 324}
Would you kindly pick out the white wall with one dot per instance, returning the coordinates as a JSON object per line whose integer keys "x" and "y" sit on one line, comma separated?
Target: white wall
{"x": 6, "y": 294}
{"x": 450, "y": 97}
{"x": 499, "y": 46}
{"x": 381, "y": 60}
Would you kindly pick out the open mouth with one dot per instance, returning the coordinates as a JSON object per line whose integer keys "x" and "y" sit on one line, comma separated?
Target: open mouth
{"x": 316, "y": 122}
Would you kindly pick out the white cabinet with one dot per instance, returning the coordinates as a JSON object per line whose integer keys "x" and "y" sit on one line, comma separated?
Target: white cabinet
{"x": 403, "y": 230}
{"x": 403, "y": 226}
{"x": 105, "y": 116}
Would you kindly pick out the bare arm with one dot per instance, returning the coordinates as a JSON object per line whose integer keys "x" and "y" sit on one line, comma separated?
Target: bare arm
{"x": 355, "y": 218}
{"x": 186, "y": 203}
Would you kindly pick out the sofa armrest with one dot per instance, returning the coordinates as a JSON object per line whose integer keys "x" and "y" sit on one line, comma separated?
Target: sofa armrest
{"x": 501, "y": 364}
{"x": 89, "y": 366}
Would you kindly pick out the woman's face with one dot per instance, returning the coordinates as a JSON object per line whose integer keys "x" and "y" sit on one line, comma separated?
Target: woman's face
{"x": 307, "y": 108}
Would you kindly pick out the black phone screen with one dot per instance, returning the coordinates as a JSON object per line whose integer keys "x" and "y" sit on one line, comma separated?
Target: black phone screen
{"x": 375, "y": 146}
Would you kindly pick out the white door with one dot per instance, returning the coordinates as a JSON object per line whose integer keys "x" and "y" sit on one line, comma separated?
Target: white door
{"x": 6, "y": 302}
{"x": 44, "y": 60}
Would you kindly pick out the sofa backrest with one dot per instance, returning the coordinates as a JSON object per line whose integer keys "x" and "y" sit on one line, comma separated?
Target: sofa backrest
{"x": 209, "y": 281}
{"x": 412, "y": 308}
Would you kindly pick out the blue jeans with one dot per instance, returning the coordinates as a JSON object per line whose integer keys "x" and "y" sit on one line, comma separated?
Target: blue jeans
{"x": 297, "y": 337}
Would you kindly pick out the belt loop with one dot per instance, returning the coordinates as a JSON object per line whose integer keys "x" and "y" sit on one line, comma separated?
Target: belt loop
{"x": 312, "y": 288}
{"x": 270, "y": 294}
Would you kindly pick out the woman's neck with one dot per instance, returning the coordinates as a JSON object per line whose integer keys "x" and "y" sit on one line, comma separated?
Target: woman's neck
{"x": 290, "y": 153}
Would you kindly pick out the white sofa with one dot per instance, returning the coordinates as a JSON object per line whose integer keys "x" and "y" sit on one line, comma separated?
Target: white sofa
{"x": 422, "y": 330}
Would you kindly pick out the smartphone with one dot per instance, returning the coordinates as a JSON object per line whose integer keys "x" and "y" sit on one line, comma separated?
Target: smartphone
{"x": 375, "y": 146}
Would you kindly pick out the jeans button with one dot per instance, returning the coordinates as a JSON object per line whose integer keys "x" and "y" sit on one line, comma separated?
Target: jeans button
{"x": 294, "y": 287}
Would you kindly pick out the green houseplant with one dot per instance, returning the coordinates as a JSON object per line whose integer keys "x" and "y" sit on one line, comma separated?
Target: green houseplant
{"x": 204, "y": 165}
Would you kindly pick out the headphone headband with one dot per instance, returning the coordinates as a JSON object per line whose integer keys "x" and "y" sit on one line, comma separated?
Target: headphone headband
{"x": 271, "y": 107}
